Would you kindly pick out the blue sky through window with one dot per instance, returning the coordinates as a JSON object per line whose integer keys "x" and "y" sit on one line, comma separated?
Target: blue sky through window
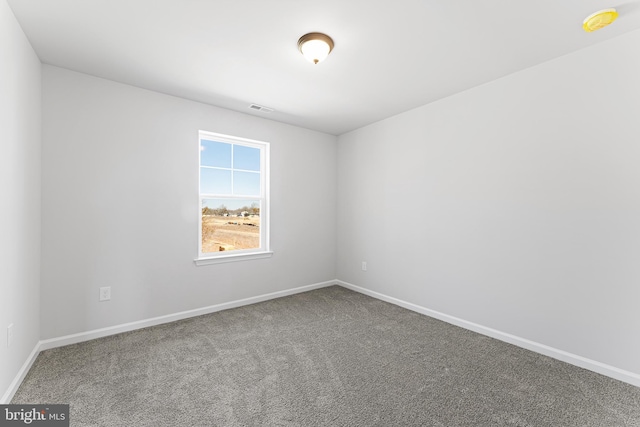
{"x": 215, "y": 181}
{"x": 217, "y": 154}
{"x": 246, "y": 158}
{"x": 246, "y": 183}
{"x": 229, "y": 169}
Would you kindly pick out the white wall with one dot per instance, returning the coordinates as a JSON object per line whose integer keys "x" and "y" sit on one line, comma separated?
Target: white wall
{"x": 20, "y": 201}
{"x": 120, "y": 205}
{"x": 514, "y": 205}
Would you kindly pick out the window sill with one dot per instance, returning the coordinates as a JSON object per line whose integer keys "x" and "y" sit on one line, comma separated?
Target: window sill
{"x": 233, "y": 258}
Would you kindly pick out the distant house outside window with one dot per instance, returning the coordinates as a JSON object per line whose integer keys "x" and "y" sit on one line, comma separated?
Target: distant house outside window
{"x": 234, "y": 202}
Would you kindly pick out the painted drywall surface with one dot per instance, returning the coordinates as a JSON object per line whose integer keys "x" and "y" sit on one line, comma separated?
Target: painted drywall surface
{"x": 120, "y": 205}
{"x": 513, "y": 205}
{"x": 20, "y": 111}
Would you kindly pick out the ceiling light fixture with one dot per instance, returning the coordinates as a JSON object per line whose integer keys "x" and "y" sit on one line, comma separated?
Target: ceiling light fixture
{"x": 315, "y": 46}
{"x": 600, "y": 19}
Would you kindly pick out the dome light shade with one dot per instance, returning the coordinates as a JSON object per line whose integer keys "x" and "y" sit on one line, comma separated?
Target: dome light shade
{"x": 600, "y": 19}
{"x": 315, "y": 46}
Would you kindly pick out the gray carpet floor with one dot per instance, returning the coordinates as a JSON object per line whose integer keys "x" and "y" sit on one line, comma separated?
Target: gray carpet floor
{"x": 329, "y": 357}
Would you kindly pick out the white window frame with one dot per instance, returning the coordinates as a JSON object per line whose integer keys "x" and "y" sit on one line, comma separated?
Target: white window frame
{"x": 242, "y": 254}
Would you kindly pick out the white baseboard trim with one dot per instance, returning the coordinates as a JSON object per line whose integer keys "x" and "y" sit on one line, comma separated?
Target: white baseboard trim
{"x": 573, "y": 359}
{"x": 15, "y": 384}
{"x": 601, "y": 368}
{"x": 132, "y": 326}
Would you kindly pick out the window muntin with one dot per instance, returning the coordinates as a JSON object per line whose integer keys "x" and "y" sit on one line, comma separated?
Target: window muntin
{"x": 233, "y": 183}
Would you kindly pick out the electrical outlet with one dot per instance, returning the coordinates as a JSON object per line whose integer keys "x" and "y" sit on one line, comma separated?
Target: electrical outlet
{"x": 364, "y": 265}
{"x": 105, "y": 293}
{"x": 9, "y": 335}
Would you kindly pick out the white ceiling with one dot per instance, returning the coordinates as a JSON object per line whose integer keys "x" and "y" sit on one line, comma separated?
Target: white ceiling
{"x": 389, "y": 56}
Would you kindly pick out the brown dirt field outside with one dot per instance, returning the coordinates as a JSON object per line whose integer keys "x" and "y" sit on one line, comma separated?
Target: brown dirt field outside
{"x": 228, "y": 233}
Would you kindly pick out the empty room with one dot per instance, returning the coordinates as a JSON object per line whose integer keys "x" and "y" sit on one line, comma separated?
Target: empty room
{"x": 338, "y": 213}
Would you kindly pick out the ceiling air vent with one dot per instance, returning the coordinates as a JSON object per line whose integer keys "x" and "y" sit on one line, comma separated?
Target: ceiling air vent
{"x": 257, "y": 107}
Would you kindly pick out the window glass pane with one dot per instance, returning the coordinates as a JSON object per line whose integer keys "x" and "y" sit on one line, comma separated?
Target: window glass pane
{"x": 230, "y": 224}
{"x": 246, "y": 183}
{"x": 216, "y": 154}
{"x": 247, "y": 158}
{"x": 215, "y": 181}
